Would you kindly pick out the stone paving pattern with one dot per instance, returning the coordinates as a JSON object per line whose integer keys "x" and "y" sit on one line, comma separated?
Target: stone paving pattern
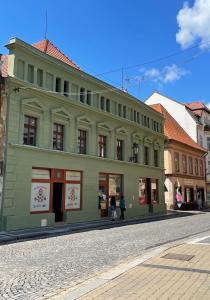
{"x": 161, "y": 279}
{"x": 31, "y": 269}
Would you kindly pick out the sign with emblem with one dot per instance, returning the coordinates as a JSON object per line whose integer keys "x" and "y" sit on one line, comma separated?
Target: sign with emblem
{"x": 72, "y": 196}
{"x": 40, "y": 197}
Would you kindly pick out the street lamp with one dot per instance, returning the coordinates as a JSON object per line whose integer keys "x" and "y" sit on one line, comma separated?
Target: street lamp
{"x": 135, "y": 148}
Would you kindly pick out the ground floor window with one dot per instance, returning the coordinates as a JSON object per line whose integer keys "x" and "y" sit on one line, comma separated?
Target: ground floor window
{"x": 56, "y": 191}
{"x": 148, "y": 191}
{"x": 109, "y": 185}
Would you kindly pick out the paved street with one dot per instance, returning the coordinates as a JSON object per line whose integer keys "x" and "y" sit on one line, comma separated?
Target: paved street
{"x": 31, "y": 269}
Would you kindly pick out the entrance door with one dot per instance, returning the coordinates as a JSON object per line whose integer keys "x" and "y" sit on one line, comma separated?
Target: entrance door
{"x": 57, "y": 201}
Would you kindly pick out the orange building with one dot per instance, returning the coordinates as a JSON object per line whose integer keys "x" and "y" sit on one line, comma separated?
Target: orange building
{"x": 184, "y": 162}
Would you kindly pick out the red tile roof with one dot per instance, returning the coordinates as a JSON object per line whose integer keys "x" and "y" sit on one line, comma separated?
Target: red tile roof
{"x": 196, "y": 105}
{"x": 47, "y": 47}
{"x": 173, "y": 130}
{"x": 4, "y": 59}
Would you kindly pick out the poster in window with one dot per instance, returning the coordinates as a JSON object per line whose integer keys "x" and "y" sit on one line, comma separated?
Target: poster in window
{"x": 40, "y": 196}
{"x": 72, "y": 196}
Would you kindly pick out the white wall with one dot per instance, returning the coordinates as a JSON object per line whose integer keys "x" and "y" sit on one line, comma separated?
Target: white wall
{"x": 177, "y": 111}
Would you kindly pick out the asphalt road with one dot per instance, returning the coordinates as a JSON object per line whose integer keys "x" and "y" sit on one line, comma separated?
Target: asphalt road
{"x": 31, "y": 269}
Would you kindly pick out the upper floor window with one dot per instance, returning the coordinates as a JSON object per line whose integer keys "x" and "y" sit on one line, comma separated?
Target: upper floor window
{"x": 209, "y": 167}
{"x": 108, "y": 105}
{"x": 30, "y": 130}
{"x": 82, "y": 95}
{"x": 89, "y": 96}
{"x": 134, "y": 115}
{"x": 190, "y": 165}
{"x": 82, "y": 141}
{"x": 147, "y": 122}
{"x": 201, "y": 167}
{"x": 39, "y": 77}
{"x": 208, "y": 143}
{"x": 58, "y": 85}
{"x": 124, "y": 111}
{"x": 184, "y": 163}
{"x": 138, "y": 117}
{"x": 30, "y": 73}
{"x": 176, "y": 161}
{"x": 58, "y": 135}
{"x": 119, "y": 149}
{"x": 196, "y": 166}
{"x": 146, "y": 155}
{"x": 102, "y": 103}
{"x": 66, "y": 88}
{"x": 156, "y": 158}
{"x": 119, "y": 110}
{"x": 102, "y": 145}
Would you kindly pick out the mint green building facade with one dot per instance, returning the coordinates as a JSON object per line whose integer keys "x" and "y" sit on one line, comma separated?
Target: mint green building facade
{"x": 90, "y": 141}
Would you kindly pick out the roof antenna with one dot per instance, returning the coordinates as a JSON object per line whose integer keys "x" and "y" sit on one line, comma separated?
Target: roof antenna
{"x": 45, "y": 35}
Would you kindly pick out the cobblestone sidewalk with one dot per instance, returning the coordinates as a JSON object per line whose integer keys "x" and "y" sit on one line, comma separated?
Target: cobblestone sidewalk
{"x": 181, "y": 272}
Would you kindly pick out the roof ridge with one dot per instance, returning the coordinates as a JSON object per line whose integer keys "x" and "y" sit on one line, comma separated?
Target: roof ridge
{"x": 168, "y": 117}
{"x": 62, "y": 52}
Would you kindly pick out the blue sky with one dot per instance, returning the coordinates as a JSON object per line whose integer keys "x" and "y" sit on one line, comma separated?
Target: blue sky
{"x": 106, "y": 35}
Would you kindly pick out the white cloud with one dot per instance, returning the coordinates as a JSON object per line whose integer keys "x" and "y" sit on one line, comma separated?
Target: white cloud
{"x": 194, "y": 24}
{"x": 168, "y": 74}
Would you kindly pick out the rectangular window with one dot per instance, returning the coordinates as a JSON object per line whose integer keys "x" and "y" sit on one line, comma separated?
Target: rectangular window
{"x": 30, "y": 73}
{"x": 190, "y": 165}
{"x": 184, "y": 163}
{"x": 108, "y": 105}
{"x": 119, "y": 110}
{"x": 201, "y": 167}
{"x": 82, "y": 95}
{"x": 58, "y": 85}
{"x": 58, "y": 135}
{"x": 30, "y": 130}
{"x": 156, "y": 158}
{"x": 20, "y": 69}
{"x": 138, "y": 118}
{"x": 102, "y": 103}
{"x": 208, "y": 143}
{"x": 119, "y": 149}
{"x": 148, "y": 122}
{"x": 124, "y": 111}
{"x": 142, "y": 191}
{"x": 134, "y": 115}
{"x": 146, "y": 155}
{"x": 176, "y": 161}
{"x": 49, "y": 81}
{"x": 89, "y": 97}
{"x": 154, "y": 126}
{"x": 196, "y": 166}
{"x": 66, "y": 88}
{"x": 39, "y": 77}
{"x": 154, "y": 191}
{"x": 82, "y": 141}
{"x": 208, "y": 167}
{"x": 102, "y": 145}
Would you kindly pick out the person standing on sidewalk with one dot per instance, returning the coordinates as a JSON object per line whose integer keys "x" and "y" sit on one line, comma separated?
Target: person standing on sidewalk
{"x": 122, "y": 207}
{"x": 113, "y": 208}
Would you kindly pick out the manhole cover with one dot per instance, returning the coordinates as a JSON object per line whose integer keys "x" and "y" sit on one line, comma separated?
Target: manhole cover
{"x": 178, "y": 256}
